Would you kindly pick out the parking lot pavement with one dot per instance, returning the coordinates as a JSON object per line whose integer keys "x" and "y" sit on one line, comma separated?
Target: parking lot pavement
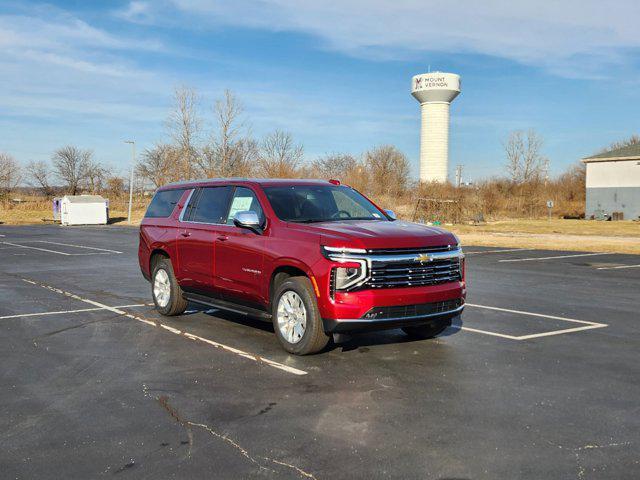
{"x": 539, "y": 379}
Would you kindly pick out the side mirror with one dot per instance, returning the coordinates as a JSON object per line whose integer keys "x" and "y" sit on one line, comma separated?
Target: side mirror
{"x": 248, "y": 220}
{"x": 391, "y": 214}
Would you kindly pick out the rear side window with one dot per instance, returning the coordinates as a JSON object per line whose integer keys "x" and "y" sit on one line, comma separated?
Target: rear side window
{"x": 212, "y": 205}
{"x": 163, "y": 203}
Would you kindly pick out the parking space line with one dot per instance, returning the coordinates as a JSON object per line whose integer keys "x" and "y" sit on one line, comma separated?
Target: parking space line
{"x": 618, "y": 267}
{"x": 533, "y": 314}
{"x": 240, "y": 353}
{"x": 587, "y": 325}
{"x": 532, "y": 259}
{"x": 500, "y": 251}
{"x": 58, "y": 252}
{"x": 561, "y": 332}
{"x": 486, "y": 332}
{"x": 36, "y": 248}
{"x": 79, "y": 246}
{"x": 60, "y": 312}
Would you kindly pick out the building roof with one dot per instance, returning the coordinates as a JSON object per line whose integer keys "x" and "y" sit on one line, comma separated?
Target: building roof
{"x": 84, "y": 199}
{"x": 630, "y": 152}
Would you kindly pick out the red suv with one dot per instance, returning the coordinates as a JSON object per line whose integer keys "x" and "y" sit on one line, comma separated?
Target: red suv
{"x": 314, "y": 257}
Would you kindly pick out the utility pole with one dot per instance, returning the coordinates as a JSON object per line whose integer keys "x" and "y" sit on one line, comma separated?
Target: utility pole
{"x": 133, "y": 162}
{"x": 459, "y": 175}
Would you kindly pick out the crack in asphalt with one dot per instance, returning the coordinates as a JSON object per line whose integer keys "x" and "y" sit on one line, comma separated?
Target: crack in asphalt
{"x": 164, "y": 402}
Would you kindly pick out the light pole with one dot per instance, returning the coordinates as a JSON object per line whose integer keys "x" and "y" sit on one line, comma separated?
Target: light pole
{"x": 133, "y": 162}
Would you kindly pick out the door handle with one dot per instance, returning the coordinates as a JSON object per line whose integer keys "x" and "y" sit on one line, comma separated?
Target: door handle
{"x": 186, "y": 234}
{"x": 223, "y": 238}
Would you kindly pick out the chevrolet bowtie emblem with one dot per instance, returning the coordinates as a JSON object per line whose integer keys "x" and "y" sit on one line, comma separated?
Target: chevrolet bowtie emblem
{"x": 423, "y": 257}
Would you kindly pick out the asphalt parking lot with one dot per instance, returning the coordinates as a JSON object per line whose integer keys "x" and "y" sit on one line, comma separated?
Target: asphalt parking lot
{"x": 539, "y": 379}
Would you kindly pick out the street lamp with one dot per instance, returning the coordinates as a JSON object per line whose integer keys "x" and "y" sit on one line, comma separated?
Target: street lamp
{"x": 133, "y": 162}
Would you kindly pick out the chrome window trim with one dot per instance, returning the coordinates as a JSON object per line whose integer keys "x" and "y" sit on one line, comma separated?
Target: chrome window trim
{"x": 186, "y": 205}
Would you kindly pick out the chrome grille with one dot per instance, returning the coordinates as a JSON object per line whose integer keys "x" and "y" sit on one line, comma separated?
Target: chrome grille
{"x": 413, "y": 274}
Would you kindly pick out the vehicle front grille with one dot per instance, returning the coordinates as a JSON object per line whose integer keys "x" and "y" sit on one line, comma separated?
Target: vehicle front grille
{"x": 405, "y": 311}
{"x": 413, "y": 274}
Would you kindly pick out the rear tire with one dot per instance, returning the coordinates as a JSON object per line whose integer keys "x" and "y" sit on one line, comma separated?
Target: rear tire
{"x": 429, "y": 330}
{"x": 296, "y": 318}
{"x": 166, "y": 293}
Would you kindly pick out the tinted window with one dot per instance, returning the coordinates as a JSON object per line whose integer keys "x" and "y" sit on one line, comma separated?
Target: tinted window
{"x": 320, "y": 203}
{"x": 163, "y": 203}
{"x": 212, "y": 205}
{"x": 244, "y": 200}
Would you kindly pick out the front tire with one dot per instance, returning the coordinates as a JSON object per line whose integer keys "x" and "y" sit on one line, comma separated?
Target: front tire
{"x": 296, "y": 318}
{"x": 166, "y": 293}
{"x": 429, "y": 330}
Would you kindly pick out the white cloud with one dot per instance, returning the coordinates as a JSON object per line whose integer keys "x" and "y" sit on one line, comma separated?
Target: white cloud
{"x": 544, "y": 33}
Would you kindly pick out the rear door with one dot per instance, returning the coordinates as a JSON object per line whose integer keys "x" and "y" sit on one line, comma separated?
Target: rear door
{"x": 239, "y": 269}
{"x": 205, "y": 211}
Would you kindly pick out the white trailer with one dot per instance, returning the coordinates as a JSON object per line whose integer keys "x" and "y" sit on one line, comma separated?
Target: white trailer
{"x": 83, "y": 210}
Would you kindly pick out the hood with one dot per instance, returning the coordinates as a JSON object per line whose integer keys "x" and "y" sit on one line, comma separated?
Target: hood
{"x": 379, "y": 234}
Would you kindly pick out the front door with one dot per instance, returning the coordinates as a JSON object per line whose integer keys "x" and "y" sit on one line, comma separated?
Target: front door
{"x": 196, "y": 239}
{"x": 239, "y": 259}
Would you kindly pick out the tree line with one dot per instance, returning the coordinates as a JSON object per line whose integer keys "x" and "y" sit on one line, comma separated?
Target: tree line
{"x": 228, "y": 149}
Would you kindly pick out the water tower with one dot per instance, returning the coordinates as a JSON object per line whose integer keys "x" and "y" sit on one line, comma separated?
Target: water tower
{"x": 434, "y": 91}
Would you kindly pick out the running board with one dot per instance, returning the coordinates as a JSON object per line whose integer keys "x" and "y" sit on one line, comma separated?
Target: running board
{"x": 224, "y": 305}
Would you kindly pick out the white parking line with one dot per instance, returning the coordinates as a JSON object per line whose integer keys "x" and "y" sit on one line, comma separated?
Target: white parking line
{"x": 241, "y": 353}
{"x": 554, "y": 257}
{"x": 61, "y": 253}
{"x": 500, "y": 251}
{"x": 618, "y": 267}
{"x": 588, "y": 325}
{"x": 79, "y": 246}
{"x": 59, "y": 312}
{"x": 36, "y": 248}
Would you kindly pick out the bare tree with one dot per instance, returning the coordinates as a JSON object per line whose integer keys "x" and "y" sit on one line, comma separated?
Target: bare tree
{"x": 184, "y": 125}
{"x": 627, "y": 142}
{"x": 335, "y": 165}
{"x": 160, "y": 164}
{"x": 229, "y": 152}
{"x": 96, "y": 176}
{"x": 71, "y": 165}
{"x": 388, "y": 170}
{"x": 525, "y": 162}
{"x": 279, "y": 156}
{"x": 10, "y": 173}
{"x": 39, "y": 175}
{"x": 115, "y": 185}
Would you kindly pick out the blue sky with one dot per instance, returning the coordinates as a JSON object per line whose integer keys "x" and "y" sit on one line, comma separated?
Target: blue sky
{"x": 336, "y": 74}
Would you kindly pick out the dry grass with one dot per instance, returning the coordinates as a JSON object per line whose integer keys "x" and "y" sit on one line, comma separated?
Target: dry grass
{"x": 40, "y": 212}
{"x": 555, "y": 234}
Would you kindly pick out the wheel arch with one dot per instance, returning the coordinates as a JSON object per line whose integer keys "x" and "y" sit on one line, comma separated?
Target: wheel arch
{"x": 281, "y": 273}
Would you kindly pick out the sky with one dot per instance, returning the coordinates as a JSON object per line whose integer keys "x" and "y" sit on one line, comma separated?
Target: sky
{"x": 336, "y": 74}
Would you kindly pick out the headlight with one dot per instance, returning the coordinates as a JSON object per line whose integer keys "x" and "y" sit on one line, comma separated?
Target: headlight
{"x": 347, "y": 276}
{"x": 333, "y": 252}
{"x": 351, "y": 271}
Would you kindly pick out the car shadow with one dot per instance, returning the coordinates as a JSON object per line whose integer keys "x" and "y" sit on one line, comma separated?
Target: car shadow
{"x": 344, "y": 342}
{"x": 385, "y": 337}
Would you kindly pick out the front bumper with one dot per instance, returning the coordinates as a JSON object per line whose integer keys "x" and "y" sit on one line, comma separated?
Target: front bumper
{"x": 354, "y": 325}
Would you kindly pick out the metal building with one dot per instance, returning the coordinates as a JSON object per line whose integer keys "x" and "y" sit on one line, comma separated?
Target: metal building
{"x": 613, "y": 184}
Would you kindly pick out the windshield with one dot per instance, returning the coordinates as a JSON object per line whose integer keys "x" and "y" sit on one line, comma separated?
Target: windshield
{"x": 320, "y": 203}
